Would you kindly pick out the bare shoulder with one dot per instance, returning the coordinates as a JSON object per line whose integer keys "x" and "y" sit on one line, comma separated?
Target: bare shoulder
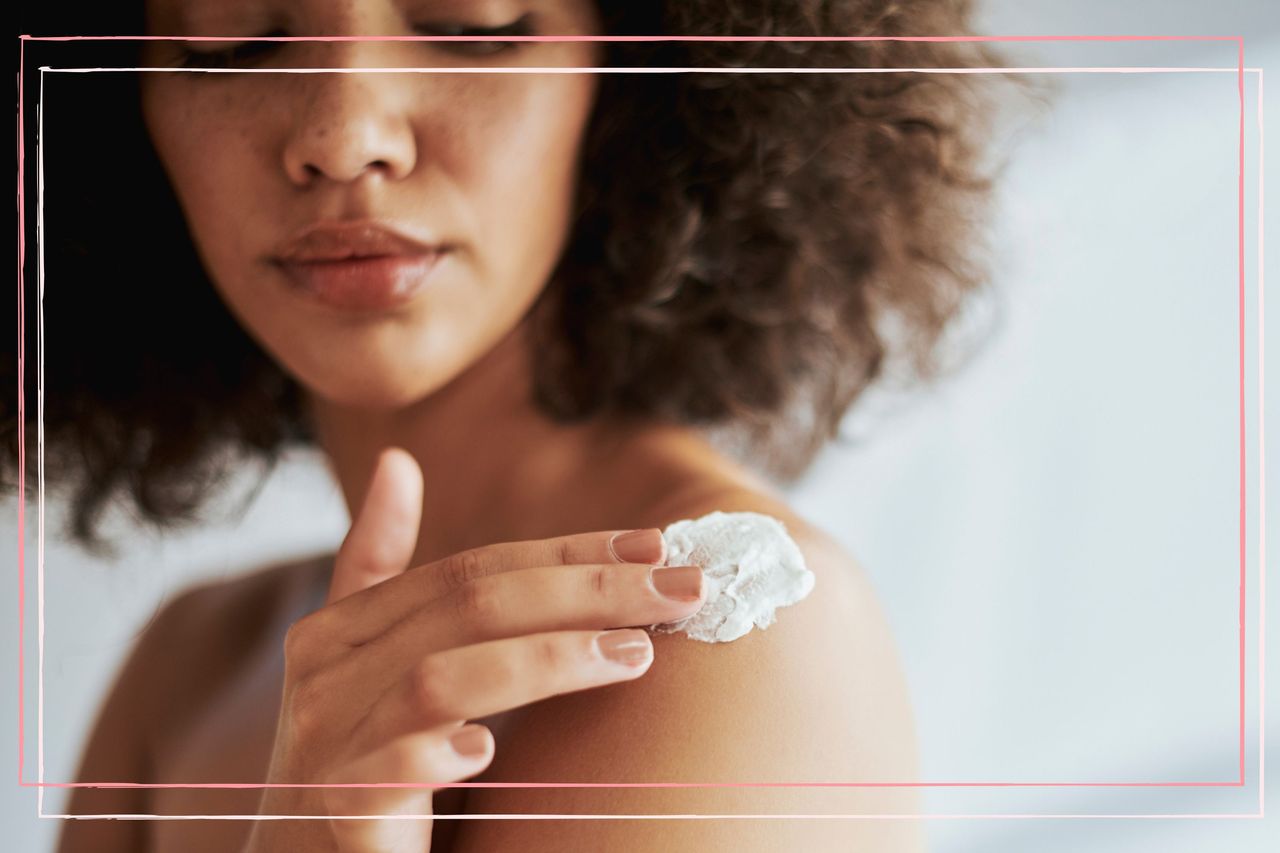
{"x": 818, "y": 696}
{"x": 214, "y": 628}
{"x": 252, "y": 596}
{"x": 205, "y": 632}
{"x": 181, "y": 656}
{"x": 258, "y": 590}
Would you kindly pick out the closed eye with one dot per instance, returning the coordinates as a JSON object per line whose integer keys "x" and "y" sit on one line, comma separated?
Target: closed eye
{"x": 246, "y": 52}
{"x": 242, "y": 53}
{"x": 519, "y": 27}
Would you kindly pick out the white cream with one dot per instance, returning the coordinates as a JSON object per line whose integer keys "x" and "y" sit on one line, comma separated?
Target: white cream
{"x": 750, "y": 568}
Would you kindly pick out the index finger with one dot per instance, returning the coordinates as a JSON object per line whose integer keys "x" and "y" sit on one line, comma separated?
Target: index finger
{"x": 392, "y": 600}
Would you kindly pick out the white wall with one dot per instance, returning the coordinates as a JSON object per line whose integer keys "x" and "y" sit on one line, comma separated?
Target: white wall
{"x": 1054, "y": 532}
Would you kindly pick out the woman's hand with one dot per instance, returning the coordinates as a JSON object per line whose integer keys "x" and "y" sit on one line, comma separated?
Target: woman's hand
{"x": 380, "y": 681}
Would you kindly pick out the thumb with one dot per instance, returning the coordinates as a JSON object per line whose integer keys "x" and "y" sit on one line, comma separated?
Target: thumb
{"x": 384, "y": 534}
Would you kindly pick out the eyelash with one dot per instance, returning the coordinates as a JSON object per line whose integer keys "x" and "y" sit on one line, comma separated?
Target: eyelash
{"x": 247, "y": 51}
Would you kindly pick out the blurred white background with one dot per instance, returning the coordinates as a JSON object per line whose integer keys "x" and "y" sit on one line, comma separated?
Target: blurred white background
{"x": 1054, "y": 532}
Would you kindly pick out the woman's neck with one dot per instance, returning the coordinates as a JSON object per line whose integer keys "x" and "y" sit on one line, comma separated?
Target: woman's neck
{"x": 496, "y": 469}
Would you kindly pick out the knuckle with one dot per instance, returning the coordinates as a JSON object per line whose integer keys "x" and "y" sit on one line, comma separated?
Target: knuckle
{"x": 479, "y": 599}
{"x": 464, "y": 567}
{"x": 430, "y": 687}
{"x": 299, "y": 638}
{"x": 552, "y": 655}
{"x": 306, "y": 706}
{"x": 599, "y": 580}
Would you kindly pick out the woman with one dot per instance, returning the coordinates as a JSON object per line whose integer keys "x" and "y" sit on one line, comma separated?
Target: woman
{"x": 530, "y": 320}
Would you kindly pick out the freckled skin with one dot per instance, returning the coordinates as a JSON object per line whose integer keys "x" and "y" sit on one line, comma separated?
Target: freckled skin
{"x": 489, "y": 162}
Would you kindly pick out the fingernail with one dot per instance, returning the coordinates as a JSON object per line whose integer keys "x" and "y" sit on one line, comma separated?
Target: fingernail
{"x": 470, "y": 742}
{"x": 638, "y": 546}
{"x": 629, "y": 646}
{"x": 682, "y": 583}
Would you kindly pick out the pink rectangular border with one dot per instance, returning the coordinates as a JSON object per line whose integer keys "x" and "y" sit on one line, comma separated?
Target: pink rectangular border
{"x": 1240, "y": 782}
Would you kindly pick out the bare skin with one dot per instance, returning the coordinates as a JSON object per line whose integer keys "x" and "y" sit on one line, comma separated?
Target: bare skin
{"x": 207, "y": 737}
{"x": 447, "y": 380}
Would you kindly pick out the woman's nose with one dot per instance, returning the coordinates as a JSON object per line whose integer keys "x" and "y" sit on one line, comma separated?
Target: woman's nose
{"x": 349, "y": 124}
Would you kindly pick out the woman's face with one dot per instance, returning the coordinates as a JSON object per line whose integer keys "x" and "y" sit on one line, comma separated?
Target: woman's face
{"x": 317, "y": 201}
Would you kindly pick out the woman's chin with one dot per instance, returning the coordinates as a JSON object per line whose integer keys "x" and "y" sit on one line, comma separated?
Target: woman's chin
{"x": 373, "y": 390}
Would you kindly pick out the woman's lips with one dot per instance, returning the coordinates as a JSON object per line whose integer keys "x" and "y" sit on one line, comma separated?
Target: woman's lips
{"x": 359, "y": 265}
{"x": 371, "y": 283}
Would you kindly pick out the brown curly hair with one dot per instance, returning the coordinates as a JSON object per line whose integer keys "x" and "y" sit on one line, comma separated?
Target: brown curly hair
{"x": 770, "y": 243}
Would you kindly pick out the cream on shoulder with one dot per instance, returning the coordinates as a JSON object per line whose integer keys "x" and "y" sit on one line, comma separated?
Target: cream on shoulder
{"x": 751, "y": 566}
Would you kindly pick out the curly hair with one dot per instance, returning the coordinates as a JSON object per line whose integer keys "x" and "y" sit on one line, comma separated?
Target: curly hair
{"x": 771, "y": 242}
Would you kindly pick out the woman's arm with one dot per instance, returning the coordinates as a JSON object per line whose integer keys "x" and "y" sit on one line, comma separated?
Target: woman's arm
{"x": 818, "y": 696}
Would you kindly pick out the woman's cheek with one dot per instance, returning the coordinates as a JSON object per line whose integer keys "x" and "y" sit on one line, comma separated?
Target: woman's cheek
{"x": 187, "y": 153}
{"x": 530, "y": 157}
